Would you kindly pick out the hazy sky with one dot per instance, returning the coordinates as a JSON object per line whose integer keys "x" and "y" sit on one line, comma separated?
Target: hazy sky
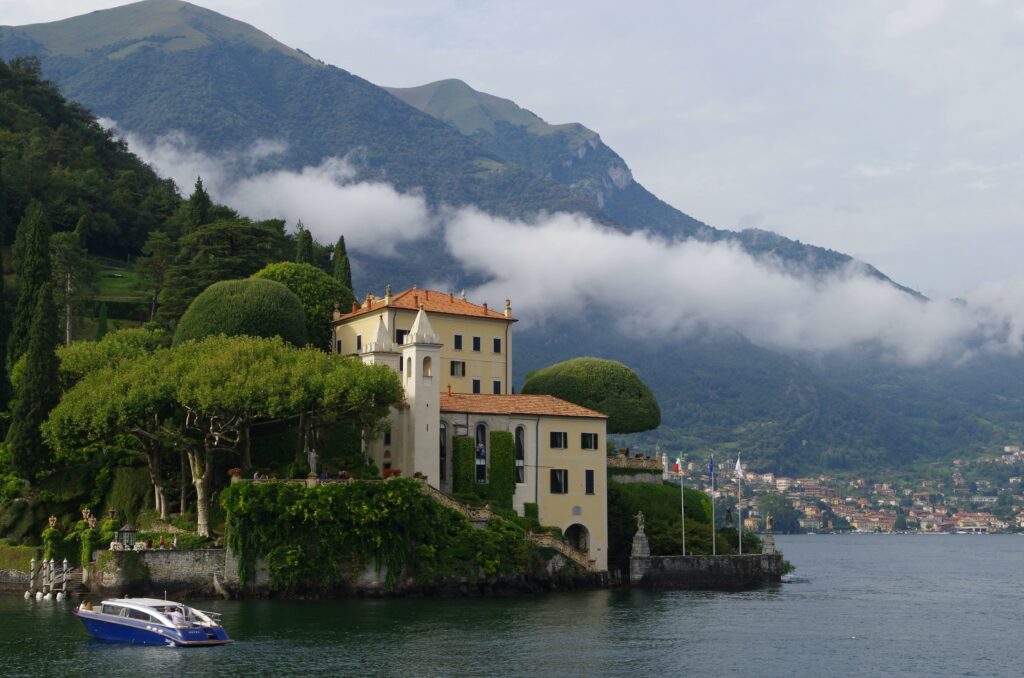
{"x": 891, "y": 131}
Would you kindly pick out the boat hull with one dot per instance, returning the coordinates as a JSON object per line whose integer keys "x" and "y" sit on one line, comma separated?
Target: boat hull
{"x": 135, "y": 632}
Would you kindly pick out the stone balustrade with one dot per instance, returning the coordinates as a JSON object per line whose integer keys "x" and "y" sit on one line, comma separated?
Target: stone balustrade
{"x": 620, "y": 461}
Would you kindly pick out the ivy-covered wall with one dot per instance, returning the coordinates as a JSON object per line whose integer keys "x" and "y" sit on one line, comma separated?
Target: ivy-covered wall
{"x": 463, "y": 480}
{"x": 323, "y": 536}
{"x": 501, "y": 482}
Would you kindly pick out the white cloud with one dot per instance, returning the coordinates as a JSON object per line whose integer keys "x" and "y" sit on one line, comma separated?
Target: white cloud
{"x": 327, "y": 198}
{"x": 566, "y": 264}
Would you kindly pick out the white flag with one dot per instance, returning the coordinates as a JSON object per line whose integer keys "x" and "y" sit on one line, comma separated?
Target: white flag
{"x": 739, "y": 469}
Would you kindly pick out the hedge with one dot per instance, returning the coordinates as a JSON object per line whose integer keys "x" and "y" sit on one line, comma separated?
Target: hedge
{"x": 606, "y": 386}
{"x": 254, "y": 307}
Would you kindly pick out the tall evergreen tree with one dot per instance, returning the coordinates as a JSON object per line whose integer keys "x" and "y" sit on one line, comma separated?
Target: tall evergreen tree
{"x": 73, "y": 272}
{"x": 32, "y": 267}
{"x": 199, "y": 206}
{"x": 5, "y": 384}
{"x": 151, "y": 268}
{"x": 342, "y": 269}
{"x": 38, "y": 389}
{"x": 303, "y": 246}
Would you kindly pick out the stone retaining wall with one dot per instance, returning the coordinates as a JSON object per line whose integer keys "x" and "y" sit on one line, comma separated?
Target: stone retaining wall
{"x": 707, "y": 572}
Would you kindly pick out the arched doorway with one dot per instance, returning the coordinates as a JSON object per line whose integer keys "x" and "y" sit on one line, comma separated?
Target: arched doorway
{"x": 578, "y": 537}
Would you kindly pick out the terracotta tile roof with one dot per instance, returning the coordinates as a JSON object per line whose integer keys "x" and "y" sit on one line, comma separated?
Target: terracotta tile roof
{"x": 514, "y": 404}
{"x": 433, "y": 302}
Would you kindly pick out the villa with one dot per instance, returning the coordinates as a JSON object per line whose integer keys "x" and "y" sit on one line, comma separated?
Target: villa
{"x": 454, "y": 358}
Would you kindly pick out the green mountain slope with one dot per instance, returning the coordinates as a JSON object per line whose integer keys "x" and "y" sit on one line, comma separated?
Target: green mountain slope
{"x": 228, "y": 86}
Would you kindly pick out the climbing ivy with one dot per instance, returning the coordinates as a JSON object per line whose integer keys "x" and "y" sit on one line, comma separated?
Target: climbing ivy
{"x": 463, "y": 460}
{"x": 501, "y": 483}
{"x": 323, "y": 536}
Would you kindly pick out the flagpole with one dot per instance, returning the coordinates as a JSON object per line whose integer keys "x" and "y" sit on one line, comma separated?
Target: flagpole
{"x": 682, "y": 502}
{"x": 739, "y": 504}
{"x": 711, "y": 472}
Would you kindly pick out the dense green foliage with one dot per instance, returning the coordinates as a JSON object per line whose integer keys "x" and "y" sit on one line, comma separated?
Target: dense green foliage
{"x": 661, "y": 509}
{"x": 318, "y": 293}
{"x": 203, "y": 397}
{"x": 785, "y": 517}
{"x": 223, "y": 250}
{"x": 252, "y": 307}
{"x": 83, "y": 357}
{"x": 38, "y": 390}
{"x": 606, "y": 386}
{"x": 303, "y": 246}
{"x": 56, "y": 153}
{"x": 325, "y": 536}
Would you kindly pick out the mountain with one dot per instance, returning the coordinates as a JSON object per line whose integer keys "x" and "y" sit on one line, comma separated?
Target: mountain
{"x": 164, "y": 65}
{"x": 575, "y": 156}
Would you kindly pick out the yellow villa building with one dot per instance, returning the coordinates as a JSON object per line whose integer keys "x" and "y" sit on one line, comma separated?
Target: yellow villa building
{"x": 454, "y": 358}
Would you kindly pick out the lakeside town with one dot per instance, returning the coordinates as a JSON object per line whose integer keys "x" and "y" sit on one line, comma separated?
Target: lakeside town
{"x": 976, "y": 496}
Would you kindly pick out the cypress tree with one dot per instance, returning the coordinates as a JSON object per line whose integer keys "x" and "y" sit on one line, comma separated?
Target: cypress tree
{"x": 38, "y": 390}
{"x": 342, "y": 267}
{"x": 32, "y": 267}
{"x": 5, "y": 384}
{"x": 199, "y": 206}
{"x": 101, "y": 324}
{"x": 303, "y": 246}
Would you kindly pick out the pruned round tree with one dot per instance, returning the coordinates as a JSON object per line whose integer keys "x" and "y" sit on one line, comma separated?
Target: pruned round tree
{"x": 250, "y": 307}
{"x": 317, "y": 291}
{"x": 603, "y": 385}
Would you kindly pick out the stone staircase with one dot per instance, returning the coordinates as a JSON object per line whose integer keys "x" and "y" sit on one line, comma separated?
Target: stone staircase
{"x": 481, "y": 515}
{"x": 76, "y": 585}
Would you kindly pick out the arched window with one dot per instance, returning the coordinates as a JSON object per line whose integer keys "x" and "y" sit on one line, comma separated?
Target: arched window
{"x": 443, "y": 449}
{"x": 520, "y": 454}
{"x": 427, "y": 370}
{"x": 481, "y": 453}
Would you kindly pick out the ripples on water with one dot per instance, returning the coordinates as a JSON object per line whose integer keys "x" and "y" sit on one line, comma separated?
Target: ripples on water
{"x": 858, "y": 605}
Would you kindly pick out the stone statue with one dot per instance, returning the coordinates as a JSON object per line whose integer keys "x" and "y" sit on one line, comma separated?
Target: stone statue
{"x": 639, "y": 522}
{"x": 312, "y": 457}
{"x": 728, "y": 517}
{"x": 768, "y": 523}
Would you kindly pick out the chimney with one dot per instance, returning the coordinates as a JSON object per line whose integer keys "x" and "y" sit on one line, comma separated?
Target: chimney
{"x": 427, "y": 293}
{"x": 463, "y": 297}
{"x": 354, "y": 306}
{"x": 485, "y": 307}
{"x": 416, "y": 300}
{"x": 451, "y": 296}
{"x": 508, "y": 308}
{"x": 414, "y": 286}
{"x": 387, "y": 295}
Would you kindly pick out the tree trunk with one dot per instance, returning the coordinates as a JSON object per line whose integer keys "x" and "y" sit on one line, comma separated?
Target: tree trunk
{"x": 153, "y": 455}
{"x": 300, "y": 442}
{"x": 152, "y": 305}
{"x": 246, "y": 445}
{"x": 183, "y": 496}
{"x": 201, "y": 461}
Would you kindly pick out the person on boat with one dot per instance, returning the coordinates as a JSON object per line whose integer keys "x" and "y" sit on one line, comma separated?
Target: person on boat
{"x": 177, "y": 618}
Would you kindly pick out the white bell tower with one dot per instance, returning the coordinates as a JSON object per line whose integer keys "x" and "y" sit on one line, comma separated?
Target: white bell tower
{"x": 421, "y": 355}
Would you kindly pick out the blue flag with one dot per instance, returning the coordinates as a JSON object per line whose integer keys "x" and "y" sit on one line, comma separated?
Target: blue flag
{"x": 711, "y": 468}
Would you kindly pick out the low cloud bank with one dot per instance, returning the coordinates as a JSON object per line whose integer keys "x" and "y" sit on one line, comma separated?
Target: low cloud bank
{"x": 565, "y": 264}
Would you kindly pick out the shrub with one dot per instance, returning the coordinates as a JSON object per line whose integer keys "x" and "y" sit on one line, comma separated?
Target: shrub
{"x": 606, "y": 386}
{"x": 254, "y": 307}
{"x": 317, "y": 291}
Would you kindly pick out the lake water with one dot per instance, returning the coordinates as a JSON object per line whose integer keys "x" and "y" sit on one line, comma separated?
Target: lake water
{"x": 860, "y": 605}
